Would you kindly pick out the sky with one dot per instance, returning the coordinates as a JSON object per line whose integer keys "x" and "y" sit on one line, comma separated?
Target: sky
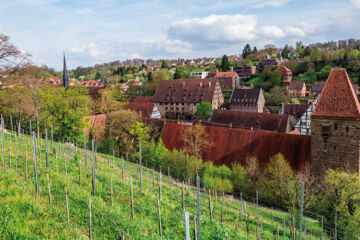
{"x": 97, "y": 31}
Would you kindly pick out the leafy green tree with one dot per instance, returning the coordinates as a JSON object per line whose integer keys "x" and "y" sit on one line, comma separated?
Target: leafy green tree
{"x": 254, "y": 51}
{"x": 97, "y": 76}
{"x": 149, "y": 76}
{"x": 246, "y": 51}
{"x": 65, "y": 109}
{"x": 203, "y": 110}
{"x": 239, "y": 178}
{"x": 163, "y": 64}
{"x": 177, "y": 74}
{"x": 285, "y": 52}
{"x": 299, "y": 46}
{"x": 276, "y": 78}
{"x": 225, "y": 64}
{"x": 217, "y": 178}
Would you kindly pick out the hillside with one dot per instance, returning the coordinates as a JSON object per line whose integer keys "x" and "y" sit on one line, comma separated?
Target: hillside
{"x": 23, "y": 214}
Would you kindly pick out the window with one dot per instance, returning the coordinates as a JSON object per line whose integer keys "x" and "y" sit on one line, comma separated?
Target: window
{"x": 334, "y": 147}
{"x": 335, "y": 126}
{"x": 347, "y": 129}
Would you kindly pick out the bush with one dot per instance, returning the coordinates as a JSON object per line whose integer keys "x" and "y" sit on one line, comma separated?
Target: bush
{"x": 217, "y": 178}
{"x": 239, "y": 178}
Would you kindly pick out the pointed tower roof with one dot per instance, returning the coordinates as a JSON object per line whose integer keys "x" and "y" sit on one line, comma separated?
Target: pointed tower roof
{"x": 338, "y": 98}
{"x": 65, "y": 74}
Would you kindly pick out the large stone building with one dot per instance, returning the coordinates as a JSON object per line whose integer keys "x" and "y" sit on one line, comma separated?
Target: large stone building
{"x": 245, "y": 71}
{"x": 335, "y": 126}
{"x": 178, "y": 98}
{"x": 247, "y": 100}
{"x": 226, "y": 79}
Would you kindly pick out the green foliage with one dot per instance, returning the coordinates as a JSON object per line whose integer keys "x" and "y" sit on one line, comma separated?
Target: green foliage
{"x": 225, "y": 64}
{"x": 246, "y": 51}
{"x": 155, "y": 153}
{"x": 163, "y": 64}
{"x": 65, "y": 109}
{"x": 277, "y": 96}
{"x": 203, "y": 110}
{"x": 285, "y": 52}
{"x": 217, "y": 178}
{"x": 239, "y": 178}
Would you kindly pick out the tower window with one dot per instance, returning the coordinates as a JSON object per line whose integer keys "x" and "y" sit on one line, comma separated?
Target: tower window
{"x": 335, "y": 127}
{"x": 334, "y": 147}
{"x": 347, "y": 129}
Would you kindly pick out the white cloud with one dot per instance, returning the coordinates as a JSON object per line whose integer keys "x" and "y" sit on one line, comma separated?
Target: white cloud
{"x": 356, "y": 3}
{"x": 295, "y": 31}
{"x": 271, "y": 3}
{"x": 271, "y": 32}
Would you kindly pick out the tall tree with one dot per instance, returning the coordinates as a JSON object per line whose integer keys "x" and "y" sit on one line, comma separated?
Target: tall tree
{"x": 196, "y": 140}
{"x": 203, "y": 110}
{"x": 254, "y": 51}
{"x": 285, "y": 52}
{"x": 246, "y": 51}
{"x": 163, "y": 64}
{"x": 225, "y": 64}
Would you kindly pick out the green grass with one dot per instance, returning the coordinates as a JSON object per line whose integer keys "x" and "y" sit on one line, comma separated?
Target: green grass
{"x": 23, "y": 215}
{"x": 255, "y": 80}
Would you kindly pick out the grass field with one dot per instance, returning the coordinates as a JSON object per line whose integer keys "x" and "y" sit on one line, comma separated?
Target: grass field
{"x": 24, "y": 215}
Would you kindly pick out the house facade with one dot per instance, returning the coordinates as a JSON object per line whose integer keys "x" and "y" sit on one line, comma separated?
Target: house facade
{"x": 245, "y": 71}
{"x": 286, "y": 74}
{"x": 247, "y": 100}
{"x": 226, "y": 79}
{"x": 296, "y": 89}
{"x": 178, "y": 98}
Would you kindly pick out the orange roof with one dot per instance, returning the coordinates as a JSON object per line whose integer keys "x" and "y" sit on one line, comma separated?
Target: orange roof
{"x": 230, "y": 145}
{"x": 338, "y": 98}
{"x": 141, "y": 108}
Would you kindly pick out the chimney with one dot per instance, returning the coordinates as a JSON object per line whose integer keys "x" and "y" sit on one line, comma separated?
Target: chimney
{"x": 200, "y": 84}
{"x": 209, "y": 83}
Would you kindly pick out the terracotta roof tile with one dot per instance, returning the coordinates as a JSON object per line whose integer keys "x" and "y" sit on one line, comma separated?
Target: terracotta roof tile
{"x": 296, "y": 110}
{"x": 338, "y": 98}
{"x": 246, "y": 94}
{"x": 297, "y": 85}
{"x": 251, "y": 120}
{"x": 147, "y": 99}
{"x": 143, "y": 109}
{"x": 235, "y": 145}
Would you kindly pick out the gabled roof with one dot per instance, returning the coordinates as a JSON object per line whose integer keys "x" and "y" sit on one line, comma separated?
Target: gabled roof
{"x": 297, "y": 85}
{"x": 296, "y": 110}
{"x": 231, "y": 145}
{"x": 283, "y": 69}
{"x": 251, "y": 120}
{"x": 142, "y": 109}
{"x": 338, "y": 98}
{"x": 239, "y": 94}
{"x": 185, "y": 91}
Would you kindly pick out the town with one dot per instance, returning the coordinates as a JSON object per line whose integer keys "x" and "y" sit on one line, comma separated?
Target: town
{"x": 252, "y": 134}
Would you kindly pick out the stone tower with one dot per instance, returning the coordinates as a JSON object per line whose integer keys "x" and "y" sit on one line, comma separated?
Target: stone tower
{"x": 65, "y": 75}
{"x": 335, "y": 126}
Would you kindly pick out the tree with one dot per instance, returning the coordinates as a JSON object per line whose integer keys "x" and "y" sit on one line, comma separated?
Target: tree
{"x": 225, "y": 65}
{"x": 125, "y": 128}
{"x": 246, "y": 51}
{"x": 195, "y": 140}
{"x": 97, "y": 76}
{"x": 254, "y": 51}
{"x": 270, "y": 49}
{"x": 177, "y": 74}
{"x": 285, "y": 52}
{"x": 163, "y": 64}
{"x": 149, "y": 76}
{"x": 203, "y": 110}
{"x": 299, "y": 46}
{"x": 217, "y": 178}
{"x": 109, "y": 100}
{"x": 10, "y": 56}
{"x": 277, "y": 95}
{"x": 239, "y": 178}
{"x": 65, "y": 109}
{"x": 276, "y": 78}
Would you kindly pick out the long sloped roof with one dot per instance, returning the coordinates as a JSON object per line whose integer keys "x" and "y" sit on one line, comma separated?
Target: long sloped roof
{"x": 251, "y": 120}
{"x": 338, "y": 98}
{"x": 231, "y": 145}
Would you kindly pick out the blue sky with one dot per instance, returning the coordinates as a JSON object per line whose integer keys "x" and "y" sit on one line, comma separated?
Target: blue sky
{"x": 98, "y": 31}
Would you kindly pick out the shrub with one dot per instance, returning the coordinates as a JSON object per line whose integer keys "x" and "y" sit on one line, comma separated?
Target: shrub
{"x": 239, "y": 178}
{"x": 217, "y": 178}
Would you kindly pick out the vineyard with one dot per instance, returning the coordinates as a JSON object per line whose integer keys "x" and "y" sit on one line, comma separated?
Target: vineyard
{"x": 53, "y": 190}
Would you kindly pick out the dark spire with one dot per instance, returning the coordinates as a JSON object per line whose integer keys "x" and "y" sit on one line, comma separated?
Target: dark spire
{"x": 65, "y": 75}
{"x": 105, "y": 82}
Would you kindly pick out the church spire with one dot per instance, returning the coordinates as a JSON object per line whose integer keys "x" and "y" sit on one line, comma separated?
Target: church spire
{"x": 65, "y": 75}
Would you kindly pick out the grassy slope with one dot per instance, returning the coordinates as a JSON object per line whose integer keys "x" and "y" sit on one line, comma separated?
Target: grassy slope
{"x": 23, "y": 215}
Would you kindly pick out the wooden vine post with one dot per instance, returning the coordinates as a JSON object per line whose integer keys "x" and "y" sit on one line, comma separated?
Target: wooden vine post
{"x": 36, "y": 166}
{"x": 90, "y": 219}
{"x": 93, "y": 168}
{"x": 160, "y": 228}
{"x": 132, "y": 199}
{"x": 48, "y": 180}
{"x": 67, "y": 205}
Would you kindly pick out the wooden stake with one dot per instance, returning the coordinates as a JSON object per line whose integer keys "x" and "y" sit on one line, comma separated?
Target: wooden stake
{"x": 67, "y": 205}
{"x": 47, "y": 176}
{"x": 26, "y": 167}
{"x": 210, "y": 206}
{"x": 132, "y": 199}
{"x": 160, "y": 228}
{"x": 90, "y": 218}
{"x": 111, "y": 191}
{"x": 79, "y": 171}
{"x": 182, "y": 196}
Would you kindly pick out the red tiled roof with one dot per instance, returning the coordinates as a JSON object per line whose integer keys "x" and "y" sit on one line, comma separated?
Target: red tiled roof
{"x": 185, "y": 91}
{"x": 231, "y": 145}
{"x": 147, "y": 99}
{"x": 251, "y": 120}
{"x": 338, "y": 98}
{"x": 142, "y": 109}
{"x": 284, "y": 69}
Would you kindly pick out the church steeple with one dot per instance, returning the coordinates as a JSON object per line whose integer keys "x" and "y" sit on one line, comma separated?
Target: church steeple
{"x": 65, "y": 75}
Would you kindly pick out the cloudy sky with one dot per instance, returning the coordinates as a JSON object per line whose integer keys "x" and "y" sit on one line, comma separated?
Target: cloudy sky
{"x": 98, "y": 31}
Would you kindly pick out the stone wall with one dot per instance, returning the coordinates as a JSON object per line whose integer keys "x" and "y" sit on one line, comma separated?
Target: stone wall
{"x": 335, "y": 143}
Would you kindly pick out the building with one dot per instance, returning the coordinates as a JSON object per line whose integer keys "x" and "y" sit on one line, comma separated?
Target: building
{"x": 226, "y": 79}
{"x": 286, "y": 74}
{"x": 200, "y": 75}
{"x": 335, "y": 126}
{"x": 144, "y": 109}
{"x": 53, "y": 81}
{"x": 91, "y": 83}
{"x": 251, "y": 120}
{"x": 245, "y": 71}
{"x": 296, "y": 110}
{"x": 178, "y": 98}
{"x": 296, "y": 89}
{"x": 247, "y": 100}
{"x": 304, "y": 122}
{"x": 271, "y": 61}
